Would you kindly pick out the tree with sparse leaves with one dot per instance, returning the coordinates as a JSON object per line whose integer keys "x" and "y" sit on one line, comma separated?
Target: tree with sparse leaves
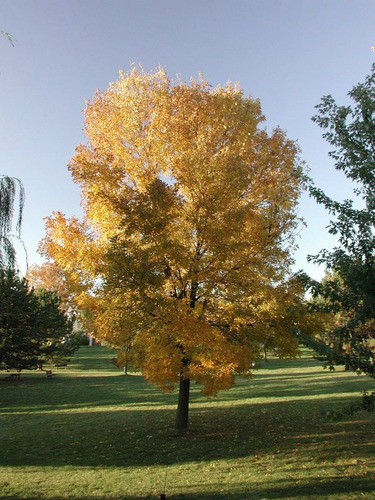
{"x": 183, "y": 256}
{"x": 10, "y": 189}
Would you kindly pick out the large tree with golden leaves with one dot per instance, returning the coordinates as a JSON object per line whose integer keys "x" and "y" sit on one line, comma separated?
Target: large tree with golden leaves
{"x": 184, "y": 251}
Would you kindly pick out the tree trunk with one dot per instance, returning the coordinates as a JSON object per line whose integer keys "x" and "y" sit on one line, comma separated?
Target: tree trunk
{"x": 183, "y": 404}
{"x": 182, "y": 418}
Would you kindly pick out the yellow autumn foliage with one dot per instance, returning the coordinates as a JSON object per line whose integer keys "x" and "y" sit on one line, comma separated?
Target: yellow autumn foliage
{"x": 185, "y": 249}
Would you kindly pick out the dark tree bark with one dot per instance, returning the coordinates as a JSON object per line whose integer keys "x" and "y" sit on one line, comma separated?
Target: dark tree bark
{"x": 183, "y": 405}
{"x": 182, "y": 418}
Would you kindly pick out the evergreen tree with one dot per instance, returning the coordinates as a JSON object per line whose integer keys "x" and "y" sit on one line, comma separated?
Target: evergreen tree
{"x": 33, "y": 329}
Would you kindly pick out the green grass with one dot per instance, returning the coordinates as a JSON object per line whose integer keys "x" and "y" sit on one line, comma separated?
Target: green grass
{"x": 92, "y": 433}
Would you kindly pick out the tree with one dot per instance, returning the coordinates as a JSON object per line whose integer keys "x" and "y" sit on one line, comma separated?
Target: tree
{"x": 51, "y": 278}
{"x": 349, "y": 290}
{"x": 33, "y": 329}
{"x": 55, "y": 328}
{"x": 18, "y": 349}
{"x": 8, "y": 191}
{"x": 184, "y": 252}
{"x": 9, "y": 186}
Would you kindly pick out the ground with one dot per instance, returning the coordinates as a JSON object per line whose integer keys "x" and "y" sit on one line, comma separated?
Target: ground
{"x": 92, "y": 433}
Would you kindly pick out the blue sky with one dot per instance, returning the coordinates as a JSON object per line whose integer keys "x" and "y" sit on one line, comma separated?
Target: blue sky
{"x": 288, "y": 53}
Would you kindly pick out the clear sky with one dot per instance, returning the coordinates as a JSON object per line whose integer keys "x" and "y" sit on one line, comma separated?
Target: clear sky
{"x": 288, "y": 53}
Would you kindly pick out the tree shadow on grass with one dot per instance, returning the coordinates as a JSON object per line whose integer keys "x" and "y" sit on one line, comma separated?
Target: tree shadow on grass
{"x": 64, "y": 393}
{"x": 314, "y": 488}
{"x": 35, "y": 394}
{"x": 298, "y": 384}
{"x": 53, "y": 423}
{"x": 143, "y": 437}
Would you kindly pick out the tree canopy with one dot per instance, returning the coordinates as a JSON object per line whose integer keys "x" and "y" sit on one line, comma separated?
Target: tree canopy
{"x": 349, "y": 288}
{"x": 183, "y": 255}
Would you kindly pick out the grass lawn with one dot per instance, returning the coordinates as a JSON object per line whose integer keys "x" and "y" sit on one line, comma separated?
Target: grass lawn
{"x": 92, "y": 433}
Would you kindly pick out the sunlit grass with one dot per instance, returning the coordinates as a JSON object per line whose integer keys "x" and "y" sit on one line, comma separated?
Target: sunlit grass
{"x": 91, "y": 432}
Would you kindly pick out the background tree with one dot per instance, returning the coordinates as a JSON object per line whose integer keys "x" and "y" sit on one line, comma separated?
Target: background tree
{"x": 51, "y": 278}
{"x": 18, "y": 348}
{"x": 349, "y": 289}
{"x": 33, "y": 329}
{"x": 55, "y": 328}
{"x": 184, "y": 252}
